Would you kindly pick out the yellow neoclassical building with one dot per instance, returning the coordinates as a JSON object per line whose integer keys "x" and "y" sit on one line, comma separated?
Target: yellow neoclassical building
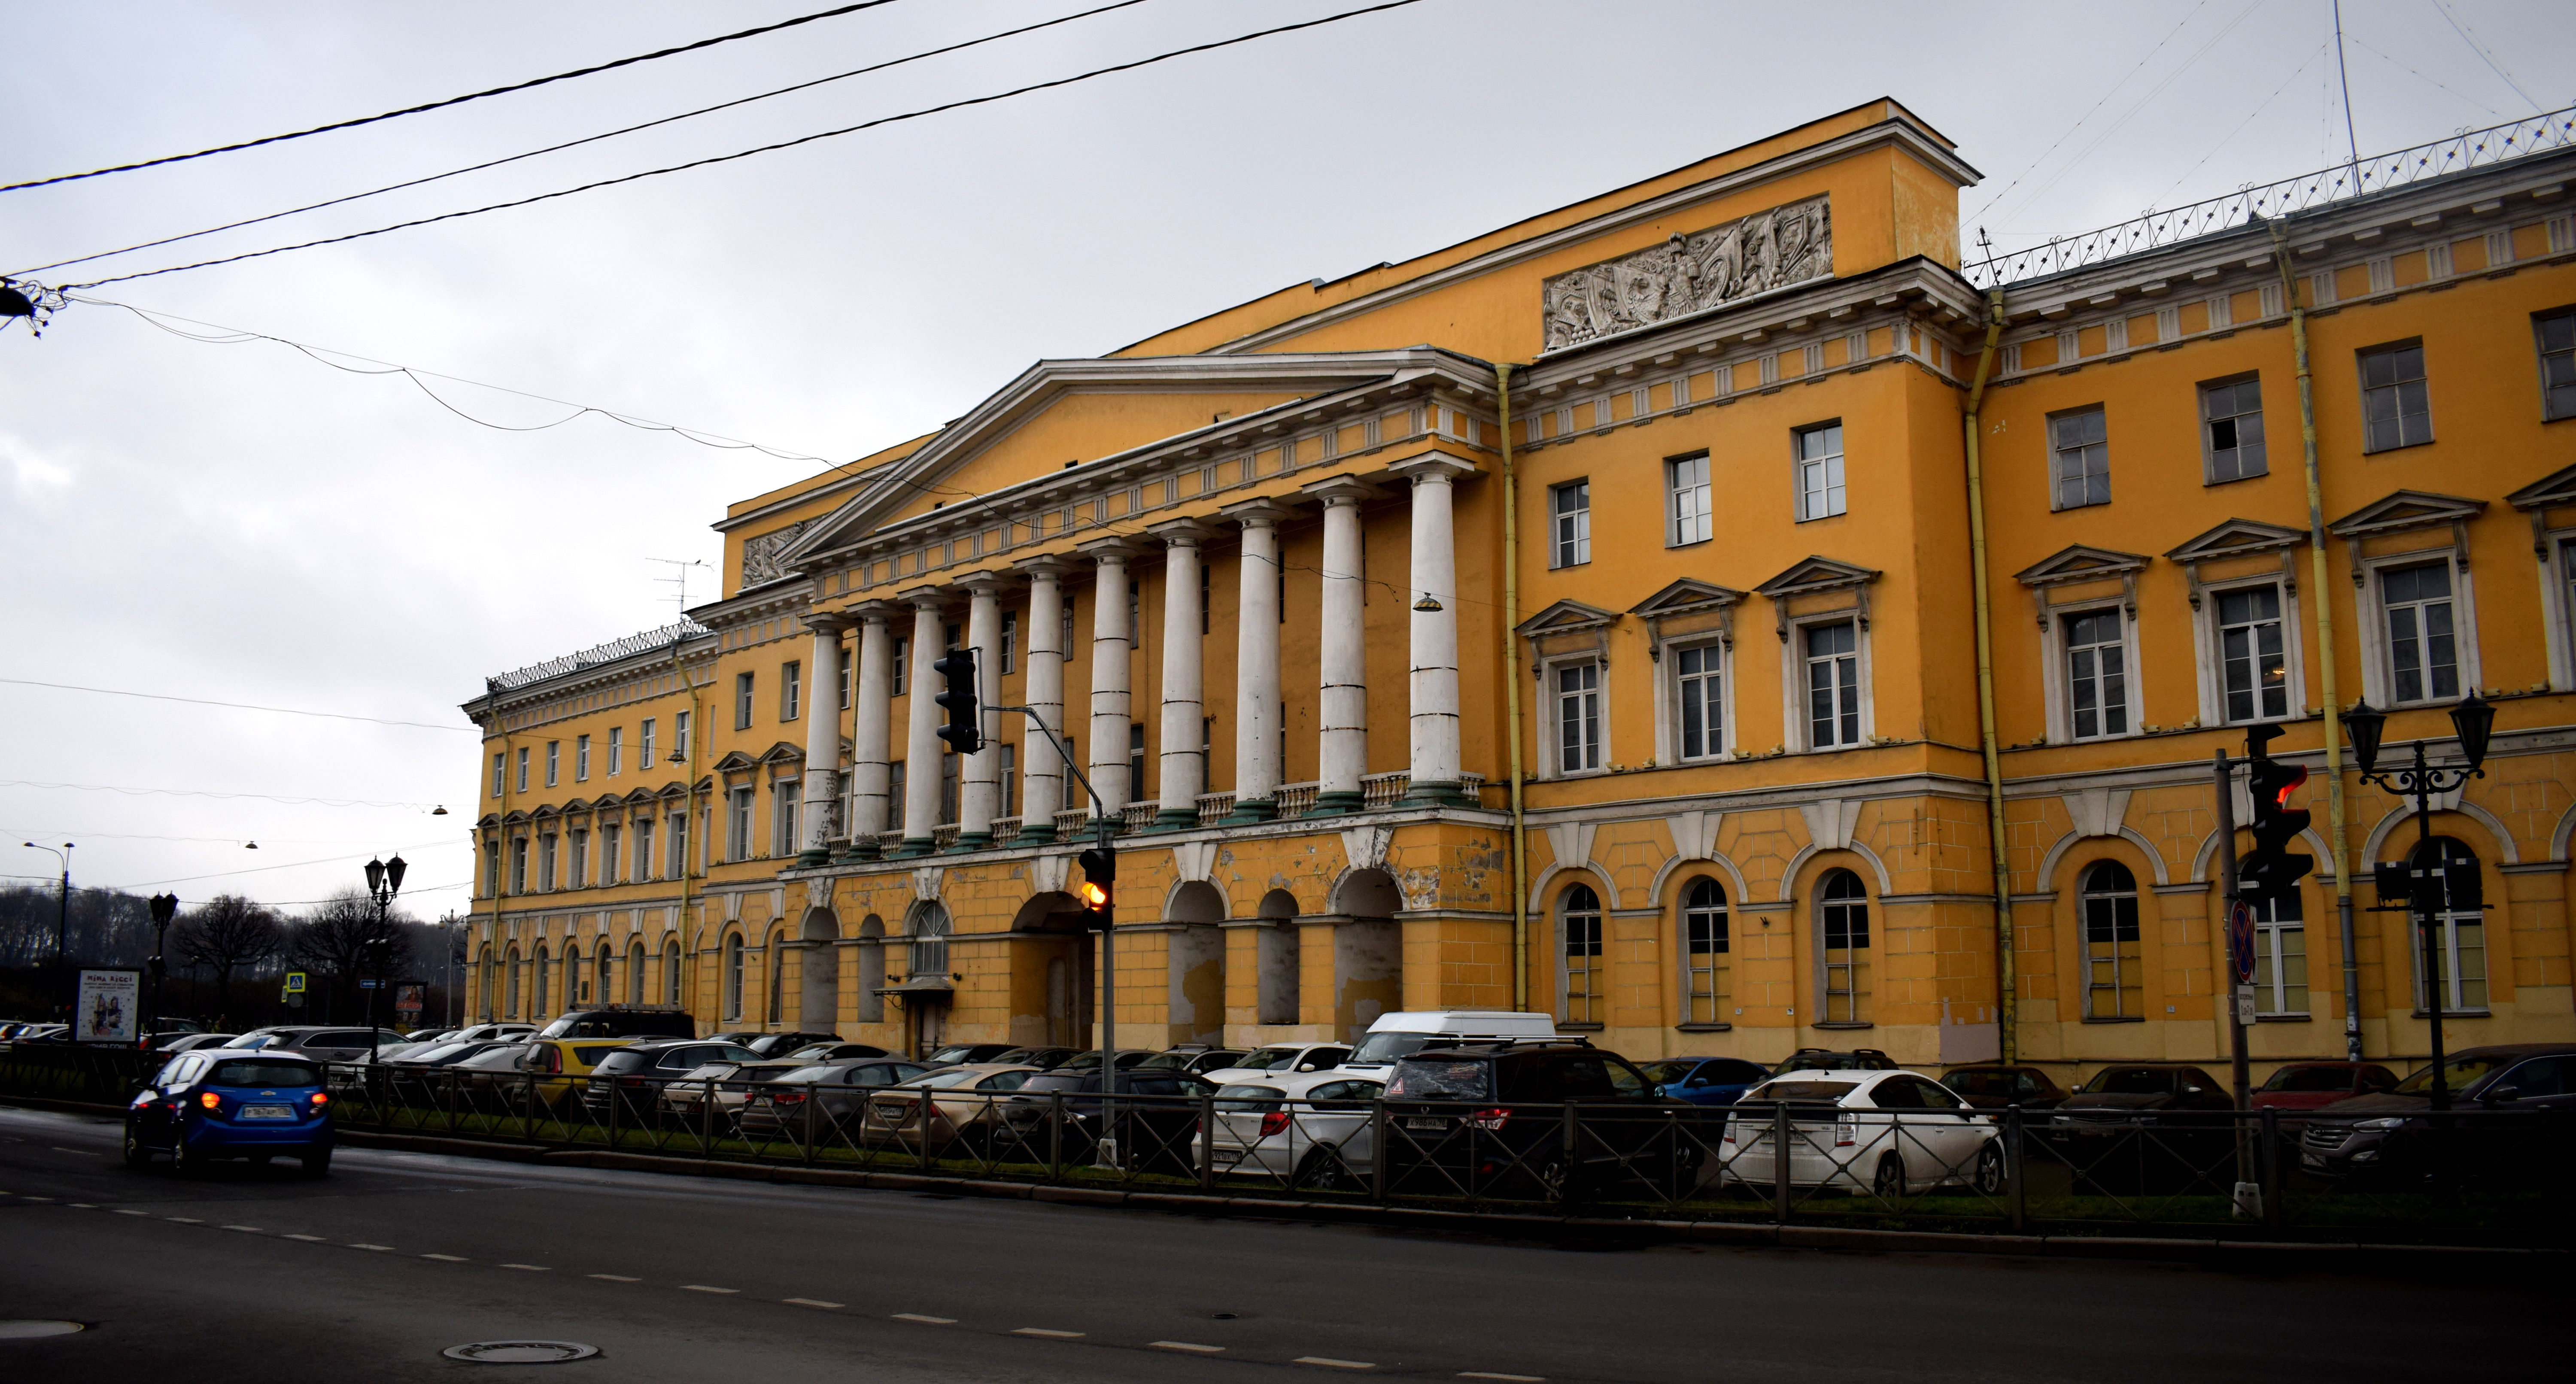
{"x": 1587, "y": 618}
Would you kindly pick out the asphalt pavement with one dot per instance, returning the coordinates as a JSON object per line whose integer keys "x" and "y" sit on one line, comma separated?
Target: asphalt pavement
{"x": 258, "y": 1274}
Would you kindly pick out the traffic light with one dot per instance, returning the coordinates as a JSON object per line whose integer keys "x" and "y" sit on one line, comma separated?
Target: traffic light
{"x": 2270, "y": 871}
{"x": 1099, "y": 889}
{"x": 965, "y": 729}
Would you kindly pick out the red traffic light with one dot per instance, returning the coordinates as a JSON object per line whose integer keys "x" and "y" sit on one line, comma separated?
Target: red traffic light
{"x": 2284, "y": 780}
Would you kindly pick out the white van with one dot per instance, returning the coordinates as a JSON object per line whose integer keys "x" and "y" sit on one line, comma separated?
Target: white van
{"x": 1394, "y": 1035}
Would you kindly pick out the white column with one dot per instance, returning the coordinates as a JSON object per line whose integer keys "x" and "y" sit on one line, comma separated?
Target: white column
{"x": 1342, "y": 748}
{"x": 1042, "y": 777}
{"x": 871, "y": 725}
{"x": 1433, "y": 683}
{"x": 979, "y": 791}
{"x": 1112, "y": 642}
{"x": 822, "y": 740}
{"x": 1184, "y": 754}
{"x": 921, "y": 743}
{"x": 1256, "y": 664}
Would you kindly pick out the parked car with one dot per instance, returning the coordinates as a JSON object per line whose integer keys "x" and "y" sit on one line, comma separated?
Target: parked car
{"x": 190, "y": 1042}
{"x": 496, "y": 1030}
{"x": 777, "y": 1045}
{"x": 837, "y": 1091}
{"x": 1312, "y": 1130}
{"x": 1391, "y": 1036}
{"x": 1153, "y": 1135}
{"x": 622, "y": 1021}
{"x": 1488, "y": 1120}
{"x": 634, "y": 1075}
{"x": 1088, "y": 1060}
{"x": 1282, "y": 1058}
{"x": 222, "y": 1103}
{"x": 2315, "y": 1085}
{"x": 960, "y": 1054}
{"x": 2149, "y": 1127}
{"x": 322, "y": 1043}
{"x": 1706, "y": 1080}
{"x": 41, "y": 1033}
{"x": 965, "y": 1108}
{"x": 2391, "y": 1139}
{"x": 1827, "y": 1060}
{"x": 1854, "y": 1128}
{"x": 727, "y": 1083}
{"x": 558, "y": 1066}
{"x": 1193, "y": 1057}
{"x": 835, "y": 1051}
{"x": 1993, "y": 1086}
{"x": 1043, "y": 1058}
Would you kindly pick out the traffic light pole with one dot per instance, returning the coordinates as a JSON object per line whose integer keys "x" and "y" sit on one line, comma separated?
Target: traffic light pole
{"x": 1104, "y": 829}
{"x": 2227, "y": 921}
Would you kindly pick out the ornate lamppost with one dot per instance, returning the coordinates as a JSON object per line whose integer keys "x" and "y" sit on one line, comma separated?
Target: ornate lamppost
{"x": 384, "y": 880}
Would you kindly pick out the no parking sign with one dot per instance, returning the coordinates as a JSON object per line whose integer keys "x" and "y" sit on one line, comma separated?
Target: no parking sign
{"x": 2240, "y": 940}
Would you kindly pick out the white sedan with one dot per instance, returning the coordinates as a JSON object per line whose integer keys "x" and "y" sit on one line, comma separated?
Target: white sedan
{"x": 1882, "y": 1132}
{"x": 1299, "y": 1129}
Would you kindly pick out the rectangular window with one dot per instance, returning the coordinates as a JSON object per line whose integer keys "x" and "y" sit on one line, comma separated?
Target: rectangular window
{"x": 1844, "y": 931}
{"x": 2423, "y": 651}
{"x": 616, "y": 750}
{"x": 2557, "y": 336}
{"x": 956, "y": 636}
{"x": 523, "y": 769}
{"x": 738, "y": 824}
{"x": 547, "y": 880}
{"x": 1833, "y": 685}
{"x": 2114, "y": 975}
{"x": 742, "y": 701}
{"x": 2254, "y": 675}
{"x": 1135, "y": 761}
{"x": 581, "y": 759}
{"x": 491, "y": 869}
{"x": 644, "y": 849}
{"x": 947, "y": 787}
{"x": 644, "y": 744}
{"x": 2395, "y": 410}
{"x": 895, "y": 774}
{"x": 1686, "y": 481}
{"x": 846, "y": 671}
{"x": 1570, "y": 524}
{"x": 902, "y": 663}
{"x": 1578, "y": 717}
{"x": 679, "y": 738}
{"x": 1011, "y": 630}
{"x": 2280, "y": 957}
{"x": 791, "y": 691}
{"x": 678, "y": 847}
{"x": 612, "y": 859}
{"x": 2097, "y": 676}
{"x": 2083, "y": 459}
{"x": 518, "y": 865}
{"x": 2231, "y": 430}
{"x": 784, "y": 797}
{"x": 1583, "y": 966}
{"x": 1206, "y": 606}
{"x": 580, "y": 858}
{"x": 1009, "y": 768}
{"x": 554, "y": 762}
{"x": 1704, "y": 953}
{"x": 1698, "y": 693}
{"x": 497, "y": 769}
{"x": 1820, "y": 471}
{"x": 1073, "y": 794}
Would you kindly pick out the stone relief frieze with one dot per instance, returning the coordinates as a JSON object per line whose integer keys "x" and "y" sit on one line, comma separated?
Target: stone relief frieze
{"x": 760, "y": 553}
{"x": 1690, "y": 273}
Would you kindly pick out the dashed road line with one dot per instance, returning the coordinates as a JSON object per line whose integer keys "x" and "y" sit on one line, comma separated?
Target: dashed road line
{"x": 386, "y": 1249}
{"x": 82, "y": 1205}
{"x": 616, "y": 1278}
{"x": 1190, "y": 1346}
{"x": 446, "y": 1258}
{"x": 311, "y": 1239}
{"x": 184, "y": 1220}
{"x": 532, "y": 1268}
{"x": 35, "y": 1198}
{"x": 123, "y": 1211}
{"x": 812, "y": 1302}
{"x": 247, "y": 1229}
{"x": 60, "y": 1149}
{"x": 1509, "y": 1378}
{"x": 1050, "y": 1335}
{"x": 917, "y": 1317}
{"x": 705, "y": 1288}
{"x": 1330, "y": 1363}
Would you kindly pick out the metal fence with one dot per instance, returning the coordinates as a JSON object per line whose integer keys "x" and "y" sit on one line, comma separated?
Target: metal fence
{"x": 2474, "y": 1176}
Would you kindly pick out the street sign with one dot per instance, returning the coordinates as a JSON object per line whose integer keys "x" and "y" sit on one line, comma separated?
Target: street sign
{"x": 371, "y": 985}
{"x": 2245, "y": 1004}
{"x": 295, "y": 982}
{"x": 2240, "y": 940}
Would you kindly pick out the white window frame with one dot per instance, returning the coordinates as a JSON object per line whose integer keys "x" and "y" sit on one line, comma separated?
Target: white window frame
{"x": 1719, "y": 974}
{"x": 2275, "y": 998}
{"x": 1564, "y": 548}
{"x": 785, "y": 796}
{"x": 554, "y": 763}
{"x": 791, "y": 690}
{"x": 644, "y": 746}
{"x": 1689, "y": 517}
{"x": 739, "y": 810}
{"x": 612, "y": 855}
{"x": 1597, "y": 992}
{"x": 2056, "y": 685}
{"x": 581, "y": 759}
{"x": 640, "y": 853}
{"x": 1668, "y": 697}
{"x": 1551, "y": 733}
{"x": 1833, "y": 495}
{"x": 2208, "y": 448}
{"x": 2057, "y": 500}
{"x": 2561, "y": 607}
{"x": 1793, "y": 680}
{"x": 616, "y": 750}
{"x": 2378, "y": 674}
{"x": 2208, "y": 649}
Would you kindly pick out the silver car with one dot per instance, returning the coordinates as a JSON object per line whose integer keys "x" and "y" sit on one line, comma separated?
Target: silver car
{"x": 1310, "y": 1130}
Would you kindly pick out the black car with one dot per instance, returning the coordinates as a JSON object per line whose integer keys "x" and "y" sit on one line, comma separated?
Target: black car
{"x": 960, "y": 1054}
{"x": 1490, "y": 1120}
{"x": 1044, "y": 1058}
{"x": 622, "y": 1021}
{"x": 1993, "y": 1086}
{"x": 2512, "y": 1125}
{"x": 1828, "y": 1060}
{"x": 633, "y": 1076}
{"x": 1156, "y": 1134}
{"x": 2163, "y": 1127}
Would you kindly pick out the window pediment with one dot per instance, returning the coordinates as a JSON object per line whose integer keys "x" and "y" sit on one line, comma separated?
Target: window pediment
{"x": 2237, "y": 538}
{"x": 783, "y": 753}
{"x": 2080, "y": 563}
{"x": 1815, "y": 574}
{"x": 2404, "y": 510}
{"x": 2549, "y": 492}
{"x": 735, "y": 763}
{"x": 1566, "y": 617}
{"x": 1688, "y": 596}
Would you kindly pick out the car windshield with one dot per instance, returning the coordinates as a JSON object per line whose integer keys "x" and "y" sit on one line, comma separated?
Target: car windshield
{"x": 1269, "y": 1059}
{"x": 798, "y": 1076}
{"x": 1802, "y": 1090}
{"x": 623, "y": 1060}
{"x": 954, "y": 1076}
{"x": 2129, "y": 1081}
{"x": 2458, "y": 1073}
{"x": 1667, "y": 1073}
{"x": 1165, "y": 1060}
{"x": 1248, "y": 1099}
{"x": 2311, "y": 1079}
{"x": 1379, "y": 1048}
{"x": 1434, "y": 1079}
{"x": 1976, "y": 1082}
{"x": 1058, "y": 1080}
{"x": 255, "y": 1073}
{"x": 954, "y": 1052}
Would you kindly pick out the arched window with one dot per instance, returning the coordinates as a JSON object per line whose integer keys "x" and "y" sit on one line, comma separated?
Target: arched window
{"x": 1578, "y": 912}
{"x": 2460, "y": 941}
{"x": 483, "y": 978}
{"x": 635, "y": 972}
{"x": 776, "y": 964}
{"x": 1842, "y": 939}
{"x": 733, "y": 975}
{"x": 671, "y": 971}
{"x": 872, "y": 967}
{"x": 575, "y": 981}
{"x": 537, "y": 989}
{"x": 510, "y": 985}
{"x": 607, "y": 989}
{"x": 930, "y": 941}
{"x": 1704, "y": 954}
{"x": 2113, "y": 972}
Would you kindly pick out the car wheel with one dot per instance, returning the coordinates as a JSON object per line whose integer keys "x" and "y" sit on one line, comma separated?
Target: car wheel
{"x": 185, "y": 1161}
{"x": 317, "y": 1163}
{"x": 1322, "y": 1170}
{"x": 136, "y": 1155}
{"x": 1889, "y": 1181}
{"x": 1990, "y": 1169}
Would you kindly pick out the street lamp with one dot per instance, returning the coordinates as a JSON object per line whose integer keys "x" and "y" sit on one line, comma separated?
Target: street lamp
{"x": 384, "y": 880}
{"x": 164, "y": 908}
{"x": 62, "y": 925}
{"x": 2473, "y": 720}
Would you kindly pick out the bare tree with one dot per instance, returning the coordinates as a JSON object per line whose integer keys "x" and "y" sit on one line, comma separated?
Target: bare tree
{"x": 228, "y": 933}
{"x": 332, "y": 943}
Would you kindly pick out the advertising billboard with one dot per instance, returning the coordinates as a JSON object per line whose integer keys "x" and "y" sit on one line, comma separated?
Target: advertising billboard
{"x": 109, "y": 1006}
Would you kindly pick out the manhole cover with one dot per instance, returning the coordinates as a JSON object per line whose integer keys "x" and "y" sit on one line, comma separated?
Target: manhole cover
{"x": 520, "y": 1352}
{"x": 28, "y": 1330}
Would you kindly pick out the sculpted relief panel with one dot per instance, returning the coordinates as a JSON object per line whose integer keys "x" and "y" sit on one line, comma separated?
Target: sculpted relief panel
{"x": 760, "y": 553}
{"x": 1689, "y": 273}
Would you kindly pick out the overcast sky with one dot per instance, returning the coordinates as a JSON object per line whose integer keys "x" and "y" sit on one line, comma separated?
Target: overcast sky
{"x": 241, "y": 523}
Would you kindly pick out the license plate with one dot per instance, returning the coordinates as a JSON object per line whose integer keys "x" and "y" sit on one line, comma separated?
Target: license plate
{"x": 893, "y": 1112}
{"x": 1426, "y": 1122}
{"x": 268, "y": 1112}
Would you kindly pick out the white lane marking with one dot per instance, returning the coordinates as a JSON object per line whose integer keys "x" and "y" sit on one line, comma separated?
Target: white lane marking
{"x": 532, "y": 1268}
{"x": 1329, "y": 1362}
{"x": 1512, "y": 1378}
{"x": 183, "y": 1220}
{"x": 247, "y": 1229}
{"x": 314, "y": 1239}
{"x": 446, "y": 1258}
{"x": 82, "y": 1205}
{"x": 917, "y": 1317}
{"x": 122, "y": 1211}
{"x": 1185, "y": 1345}
{"x": 355, "y": 1245}
{"x": 1042, "y": 1331}
{"x": 60, "y": 1149}
{"x": 705, "y": 1288}
{"x": 616, "y": 1278}
{"x": 35, "y": 1198}
{"x": 812, "y": 1302}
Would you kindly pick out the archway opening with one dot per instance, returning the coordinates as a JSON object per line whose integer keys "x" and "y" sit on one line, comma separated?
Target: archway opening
{"x": 1053, "y": 965}
{"x": 1195, "y": 963}
{"x": 1278, "y": 959}
{"x": 818, "y": 995}
{"x": 1368, "y": 951}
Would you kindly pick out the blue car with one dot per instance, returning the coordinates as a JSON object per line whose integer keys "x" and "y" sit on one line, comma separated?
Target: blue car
{"x": 230, "y": 1103}
{"x": 1706, "y": 1080}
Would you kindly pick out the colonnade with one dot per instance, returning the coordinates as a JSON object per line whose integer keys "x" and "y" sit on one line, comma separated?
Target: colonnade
{"x": 1432, "y": 682}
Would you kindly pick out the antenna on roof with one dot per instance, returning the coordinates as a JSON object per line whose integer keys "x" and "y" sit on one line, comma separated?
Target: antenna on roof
{"x": 678, "y": 580}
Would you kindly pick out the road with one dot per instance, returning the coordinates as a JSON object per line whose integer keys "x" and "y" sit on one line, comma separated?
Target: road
{"x": 260, "y": 1274}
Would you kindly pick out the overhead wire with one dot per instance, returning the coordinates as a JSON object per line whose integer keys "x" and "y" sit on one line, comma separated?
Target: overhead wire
{"x": 2107, "y": 93}
{"x": 134, "y": 792}
{"x": 2458, "y": 26}
{"x": 265, "y": 869}
{"x": 800, "y": 140}
{"x": 2230, "y": 136}
{"x": 450, "y": 101}
{"x": 2357, "y": 41}
{"x": 236, "y": 706}
{"x": 588, "y": 139}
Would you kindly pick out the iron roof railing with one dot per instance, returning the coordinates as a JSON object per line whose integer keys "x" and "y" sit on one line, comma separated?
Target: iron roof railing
{"x": 610, "y": 652}
{"x": 2344, "y": 182}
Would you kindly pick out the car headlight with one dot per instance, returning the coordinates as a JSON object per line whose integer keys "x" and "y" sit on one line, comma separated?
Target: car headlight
{"x": 2385, "y": 1122}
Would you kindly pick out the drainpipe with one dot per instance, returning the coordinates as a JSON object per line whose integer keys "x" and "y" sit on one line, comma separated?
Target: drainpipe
{"x": 2335, "y": 809}
{"x": 689, "y": 819}
{"x": 1512, "y": 693}
{"x": 2007, "y": 978}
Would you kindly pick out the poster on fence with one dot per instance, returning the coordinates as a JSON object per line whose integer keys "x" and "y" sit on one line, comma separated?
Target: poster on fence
{"x": 109, "y": 1007}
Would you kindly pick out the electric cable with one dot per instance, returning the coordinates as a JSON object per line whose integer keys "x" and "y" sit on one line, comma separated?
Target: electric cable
{"x": 133, "y": 792}
{"x": 281, "y": 865}
{"x": 2359, "y": 42}
{"x": 960, "y": 104}
{"x": 2484, "y": 56}
{"x": 2107, "y": 94}
{"x": 2230, "y": 136}
{"x": 586, "y": 139}
{"x": 450, "y": 101}
{"x": 236, "y": 706}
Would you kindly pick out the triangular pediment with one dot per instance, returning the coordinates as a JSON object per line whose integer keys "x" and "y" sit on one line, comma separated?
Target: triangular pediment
{"x": 489, "y": 819}
{"x": 1688, "y": 596}
{"x": 2549, "y": 492}
{"x": 2079, "y": 562}
{"x": 1565, "y": 617}
{"x": 783, "y": 753}
{"x": 2404, "y": 510}
{"x": 2238, "y": 538}
{"x": 549, "y": 810}
{"x": 1817, "y": 574}
{"x": 515, "y": 818}
{"x": 735, "y": 763}
{"x": 641, "y": 795}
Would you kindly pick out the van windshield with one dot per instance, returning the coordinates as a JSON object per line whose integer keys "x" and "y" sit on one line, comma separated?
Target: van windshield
{"x": 1379, "y": 1048}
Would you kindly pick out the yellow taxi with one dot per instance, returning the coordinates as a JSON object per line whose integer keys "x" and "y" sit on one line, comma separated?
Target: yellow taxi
{"x": 556, "y": 1067}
